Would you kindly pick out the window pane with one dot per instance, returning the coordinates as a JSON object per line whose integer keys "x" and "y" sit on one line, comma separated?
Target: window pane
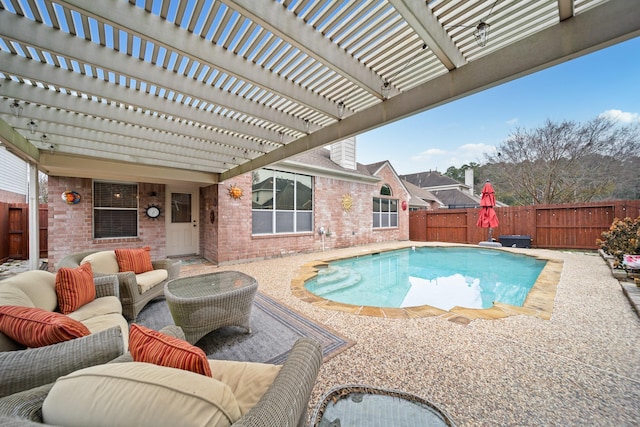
{"x": 384, "y": 220}
{"x": 115, "y": 195}
{"x": 384, "y": 206}
{"x": 287, "y": 197}
{"x": 393, "y": 206}
{"x": 284, "y": 222}
{"x": 285, "y": 191}
{"x": 262, "y": 189}
{"x": 304, "y": 194}
{"x": 385, "y": 190}
{"x": 115, "y": 209}
{"x": 394, "y": 220}
{"x": 304, "y": 221}
{"x": 376, "y": 204}
{"x": 115, "y": 223}
{"x": 262, "y": 222}
{"x": 376, "y": 220}
{"x": 180, "y": 207}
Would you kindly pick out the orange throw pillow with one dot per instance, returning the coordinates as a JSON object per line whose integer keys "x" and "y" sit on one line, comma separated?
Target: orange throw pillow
{"x": 147, "y": 345}
{"x": 74, "y": 287}
{"x": 35, "y": 327}
{"x": 136, "y": 260}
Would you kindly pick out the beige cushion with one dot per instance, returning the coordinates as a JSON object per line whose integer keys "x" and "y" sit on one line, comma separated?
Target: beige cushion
{"x": 102, "y": 262}
{"x": 247, "y": 381}
{"x": 139, "y": 394}
{"x": 149, "y": 279}
{"x": 97, "y": 307}
{"x": 12, "y": 295}
{"x": 38, "y": 285}
{"x": 106, "y": 321}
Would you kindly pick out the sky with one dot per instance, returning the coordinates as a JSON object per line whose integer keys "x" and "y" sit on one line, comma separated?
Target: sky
{"x": 604, "y": 82}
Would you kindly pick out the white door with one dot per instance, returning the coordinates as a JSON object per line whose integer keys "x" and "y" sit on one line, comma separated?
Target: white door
{"x": 182, "y": 221}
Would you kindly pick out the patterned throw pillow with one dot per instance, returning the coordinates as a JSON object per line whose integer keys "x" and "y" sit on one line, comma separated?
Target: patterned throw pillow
{"x": 136, "y": 260}
{"x": 74, "y": 288}
{"x": 147, "y": 345}
{"x": 35, "y": 327}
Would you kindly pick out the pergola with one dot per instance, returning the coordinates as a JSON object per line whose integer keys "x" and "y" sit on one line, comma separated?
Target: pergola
{"x": 202, "y": 91}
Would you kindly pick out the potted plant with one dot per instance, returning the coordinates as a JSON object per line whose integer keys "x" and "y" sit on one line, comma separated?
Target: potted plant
{"x": 622, "y": 242}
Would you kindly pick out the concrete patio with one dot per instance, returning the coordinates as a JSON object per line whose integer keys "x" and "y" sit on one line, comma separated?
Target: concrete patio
{"x": 581, "y": 367}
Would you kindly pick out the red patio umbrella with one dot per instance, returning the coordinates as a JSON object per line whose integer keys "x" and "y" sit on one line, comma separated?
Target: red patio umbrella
{"x": 488, "y": 217}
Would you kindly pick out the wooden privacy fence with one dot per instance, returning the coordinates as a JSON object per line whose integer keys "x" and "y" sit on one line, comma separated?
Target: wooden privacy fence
{"x": 565, "y": 226}
{"x": 14, "y": 229}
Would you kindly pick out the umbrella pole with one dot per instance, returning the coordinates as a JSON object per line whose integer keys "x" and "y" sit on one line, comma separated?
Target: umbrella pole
{"x": 490, "y": 233}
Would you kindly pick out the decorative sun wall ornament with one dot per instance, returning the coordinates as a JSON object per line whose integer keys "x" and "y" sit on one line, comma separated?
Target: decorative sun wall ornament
{"x": 347, "y": 202}
{"x": 235, "y": 192}
{"x": 71, "y": 197}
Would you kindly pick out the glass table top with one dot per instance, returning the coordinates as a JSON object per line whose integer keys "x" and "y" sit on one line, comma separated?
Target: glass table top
{"x": 368, "y": 406}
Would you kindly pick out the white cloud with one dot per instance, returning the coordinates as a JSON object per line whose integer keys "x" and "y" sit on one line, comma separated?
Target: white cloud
{"x": 428, "y": 154}
{"x": 621, "y": 116}
{"x": 513, "y": 121}
{"x": 439, "y": 159}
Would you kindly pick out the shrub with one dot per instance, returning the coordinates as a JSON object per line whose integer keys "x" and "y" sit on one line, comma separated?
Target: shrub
{"x": 622, "y": 238}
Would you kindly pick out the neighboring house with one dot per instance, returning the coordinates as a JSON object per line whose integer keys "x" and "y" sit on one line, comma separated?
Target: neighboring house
{"x": 422, "y": 199}
{"x": 451, "y": 193}
{"x": 265, "y": 213}
{"x": 14, "y": 186}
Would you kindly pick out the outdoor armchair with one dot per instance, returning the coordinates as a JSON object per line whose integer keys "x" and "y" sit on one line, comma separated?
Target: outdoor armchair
{"x": 283, "y": 404}
{"x": 24, "y": 368}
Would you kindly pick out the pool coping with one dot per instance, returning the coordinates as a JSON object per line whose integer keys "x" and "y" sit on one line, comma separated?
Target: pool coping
{"x": 539, "y": 301}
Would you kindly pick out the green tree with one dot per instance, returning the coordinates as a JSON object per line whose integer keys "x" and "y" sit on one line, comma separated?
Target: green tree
{"x": 459, "y": 173}
{"x": 565, "y": 162}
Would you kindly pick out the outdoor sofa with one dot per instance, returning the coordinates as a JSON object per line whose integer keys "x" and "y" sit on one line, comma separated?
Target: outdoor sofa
{"x": 284, "y": 403}
{"x": 136, "y": 290}
{"x": 23, "y": 368}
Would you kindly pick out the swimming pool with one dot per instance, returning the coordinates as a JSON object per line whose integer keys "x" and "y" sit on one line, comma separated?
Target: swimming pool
{"x": 442, "y": 277}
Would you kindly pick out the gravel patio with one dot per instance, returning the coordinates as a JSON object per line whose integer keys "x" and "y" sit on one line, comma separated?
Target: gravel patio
{"x": 581, "y": 367}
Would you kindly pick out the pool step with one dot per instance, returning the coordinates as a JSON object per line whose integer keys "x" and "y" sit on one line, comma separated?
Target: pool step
{"x": 335, "y": 278}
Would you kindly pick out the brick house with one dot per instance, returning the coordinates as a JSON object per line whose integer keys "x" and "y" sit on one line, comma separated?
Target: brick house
{"x": 265, "y": 213}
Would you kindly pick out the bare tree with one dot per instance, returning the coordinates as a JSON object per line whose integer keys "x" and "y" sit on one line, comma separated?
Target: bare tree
{"x": 43, "y": 187}
{"x": 565, "y": 162}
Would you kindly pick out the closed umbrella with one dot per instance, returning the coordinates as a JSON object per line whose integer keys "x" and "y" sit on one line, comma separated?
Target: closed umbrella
{"x": 488, "y": 217}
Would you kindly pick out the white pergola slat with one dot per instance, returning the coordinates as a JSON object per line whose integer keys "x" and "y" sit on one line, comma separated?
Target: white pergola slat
{"x": 204, "y": 91}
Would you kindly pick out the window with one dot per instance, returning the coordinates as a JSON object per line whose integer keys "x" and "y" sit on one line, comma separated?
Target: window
{"x": 385, "y": 210}
{"x": 282, "y": 202}
{"x": 115, "y": 210}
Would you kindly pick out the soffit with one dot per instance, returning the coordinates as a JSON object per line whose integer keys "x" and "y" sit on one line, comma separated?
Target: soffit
{"x": 210, "y": 89}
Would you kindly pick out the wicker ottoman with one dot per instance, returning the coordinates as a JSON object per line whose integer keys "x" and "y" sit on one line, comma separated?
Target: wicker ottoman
{"x": 201, "y": 304}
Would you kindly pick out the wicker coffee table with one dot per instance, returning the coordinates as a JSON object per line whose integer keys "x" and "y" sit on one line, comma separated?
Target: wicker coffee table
{"x": 360, "y": 405}
{"x": 201, "y": 304}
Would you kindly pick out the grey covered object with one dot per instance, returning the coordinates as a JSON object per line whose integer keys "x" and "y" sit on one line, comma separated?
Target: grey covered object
{"x": 284, "y": 404}
{"x": 24, "y": 369}
{"x": 132, "y": 300}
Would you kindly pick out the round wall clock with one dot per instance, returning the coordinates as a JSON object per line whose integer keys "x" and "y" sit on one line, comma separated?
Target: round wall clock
{"x": 153, "y": 211}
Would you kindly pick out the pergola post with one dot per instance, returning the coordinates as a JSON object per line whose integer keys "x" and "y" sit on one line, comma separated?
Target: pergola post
{"x": 34, "y": 218}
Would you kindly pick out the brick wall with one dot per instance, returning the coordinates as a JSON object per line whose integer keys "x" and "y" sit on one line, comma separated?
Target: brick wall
{"x": 71, "y": 229}
{"x": 348, "y": 228}
{"x": 225, "y": 223}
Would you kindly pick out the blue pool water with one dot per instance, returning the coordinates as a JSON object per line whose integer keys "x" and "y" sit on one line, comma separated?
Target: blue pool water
{"x": 442, "y": 277}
